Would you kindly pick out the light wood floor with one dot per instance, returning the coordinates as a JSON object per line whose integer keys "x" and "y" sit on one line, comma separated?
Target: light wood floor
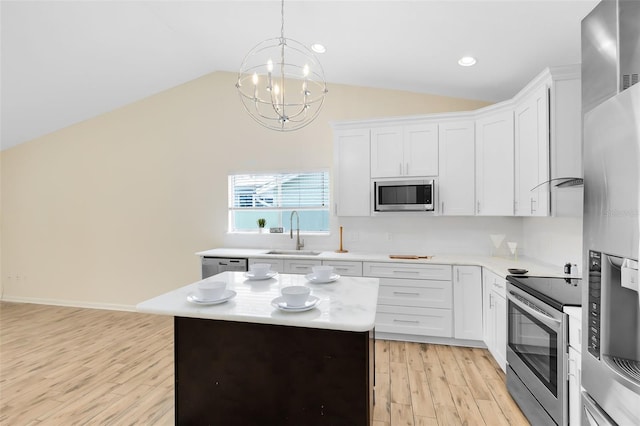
{"x": 62, "y": 365}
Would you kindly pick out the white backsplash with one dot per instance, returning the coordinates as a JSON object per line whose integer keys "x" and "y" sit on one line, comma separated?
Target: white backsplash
{"x": 554, "y": 240}
{"x": 549, "y": 240}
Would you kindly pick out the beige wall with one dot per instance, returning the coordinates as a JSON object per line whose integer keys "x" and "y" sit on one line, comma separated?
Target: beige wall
{"x": 110, "y": 211}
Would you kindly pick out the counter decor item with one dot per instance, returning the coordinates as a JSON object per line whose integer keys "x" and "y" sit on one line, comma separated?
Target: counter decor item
{"x": 261, "y": 223}
{"x": 513, "y": 248}
{"x": 497, "y": 240}
{"x": 341, "y": 250}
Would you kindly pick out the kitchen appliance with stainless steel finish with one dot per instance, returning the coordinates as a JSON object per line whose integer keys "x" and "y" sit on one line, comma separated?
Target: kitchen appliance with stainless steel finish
{"x": 215, "y": 265}
{"x": 610, "y": 50}
{"x": 537, "y": 345}
{"x": 611, "y": 146}
{"x": 611, "y": 322}
{"x": 401, "y": 195}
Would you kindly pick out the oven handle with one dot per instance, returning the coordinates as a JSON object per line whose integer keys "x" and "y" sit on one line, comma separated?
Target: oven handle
{"x": 529, "y": 307}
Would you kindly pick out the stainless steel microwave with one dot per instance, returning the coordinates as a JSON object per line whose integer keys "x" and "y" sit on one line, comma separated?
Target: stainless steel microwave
{"x": 392, "y": 195}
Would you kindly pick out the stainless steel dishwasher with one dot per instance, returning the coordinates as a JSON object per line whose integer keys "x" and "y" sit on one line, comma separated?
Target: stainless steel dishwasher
{"x": 215, "y": 265}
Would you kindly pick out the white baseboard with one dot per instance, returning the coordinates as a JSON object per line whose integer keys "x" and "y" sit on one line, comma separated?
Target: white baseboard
{"x": 69, "y": 303}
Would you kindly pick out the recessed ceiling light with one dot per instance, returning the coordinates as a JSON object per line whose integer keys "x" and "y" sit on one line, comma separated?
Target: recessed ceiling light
{"x": 318, "y": 48}
{"x": 467, "y": 61}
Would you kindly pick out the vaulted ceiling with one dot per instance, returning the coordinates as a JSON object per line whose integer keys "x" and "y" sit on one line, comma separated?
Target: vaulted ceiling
{"x": 66, "y": 61}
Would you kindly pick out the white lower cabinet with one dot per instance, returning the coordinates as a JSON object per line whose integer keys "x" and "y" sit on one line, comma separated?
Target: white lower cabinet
{"x": 300, "y": 266}
{"x": 495, "y": 316}
{"x": 276, "y": 264}
{"x": 346, "y": 268}
{"x": 413, "y": 299}
{"x": 467, "y": 302}
{"x": 575, "y": 363}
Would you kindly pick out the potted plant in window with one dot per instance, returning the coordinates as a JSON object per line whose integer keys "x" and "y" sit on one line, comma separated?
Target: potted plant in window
{"x": 261, "y": 223}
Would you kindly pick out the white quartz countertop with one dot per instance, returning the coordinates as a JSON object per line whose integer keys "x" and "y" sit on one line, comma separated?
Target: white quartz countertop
{"x": 348, "y": 304}
{"x": 498, "y": 265}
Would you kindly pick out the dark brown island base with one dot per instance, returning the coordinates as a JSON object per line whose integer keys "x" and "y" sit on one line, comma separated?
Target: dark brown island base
{"x": 248, "y": 362}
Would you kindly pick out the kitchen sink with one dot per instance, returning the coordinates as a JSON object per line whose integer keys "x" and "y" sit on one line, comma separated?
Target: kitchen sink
{"x": 295, "y": 252}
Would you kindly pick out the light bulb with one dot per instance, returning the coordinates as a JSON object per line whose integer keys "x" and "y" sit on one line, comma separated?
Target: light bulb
{"x": 255, "y": 78}
{"x": 276, "y": 89}
{"x": 305, "y": 70}
{"x": 269, "y": 65}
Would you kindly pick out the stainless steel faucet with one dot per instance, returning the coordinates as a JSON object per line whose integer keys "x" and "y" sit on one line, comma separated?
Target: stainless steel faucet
{"x": 299, "y": 243}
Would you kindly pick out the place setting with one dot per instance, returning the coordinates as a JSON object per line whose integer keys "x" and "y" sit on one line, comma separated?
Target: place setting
{"x": 211, "y": 293}
{"x": 322, "y": 274}
{"x": 259, "y": 272}
{"x": 296, "y": 298}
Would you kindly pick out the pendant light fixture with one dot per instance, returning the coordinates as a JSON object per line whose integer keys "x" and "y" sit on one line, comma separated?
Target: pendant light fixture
{"x": 281, "y": 83}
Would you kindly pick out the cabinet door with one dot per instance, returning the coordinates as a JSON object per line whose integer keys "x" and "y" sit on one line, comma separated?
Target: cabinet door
{"x": 467, "y": 302}
{"x": 421, "y": 150}
{"x": 574, "y": 386}
{"x": 500, "y": 318}
{"x": 456, "y": 183}
{"x": 532, "y": 155}
{"x": 387, "y": 158}
{"x": 352, "y": 185}
{"x": 494, "y": 164}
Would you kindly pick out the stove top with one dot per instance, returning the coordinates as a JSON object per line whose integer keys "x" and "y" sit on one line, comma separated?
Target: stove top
{"x": 555, "y": 291}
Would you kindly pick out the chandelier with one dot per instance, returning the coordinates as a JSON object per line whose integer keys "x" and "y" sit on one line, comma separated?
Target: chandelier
{"x": 281, "y": 83}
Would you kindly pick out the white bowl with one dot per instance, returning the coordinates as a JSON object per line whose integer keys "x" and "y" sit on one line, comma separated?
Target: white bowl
{"x": 322, "y": 272}
{"x": 295, "y": 295}
{"x": 260, "y": 269}
{"x": 211, "y": 290}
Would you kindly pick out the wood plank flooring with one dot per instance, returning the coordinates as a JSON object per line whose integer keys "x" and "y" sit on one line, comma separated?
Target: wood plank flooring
{"x": 61, "y": 365}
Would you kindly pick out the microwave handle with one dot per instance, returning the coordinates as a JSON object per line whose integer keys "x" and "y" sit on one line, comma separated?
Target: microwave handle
{"x": 544, "y": 318}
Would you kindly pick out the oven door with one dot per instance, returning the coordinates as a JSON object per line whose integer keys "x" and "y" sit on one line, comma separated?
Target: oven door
{"x": 536, "y": 351}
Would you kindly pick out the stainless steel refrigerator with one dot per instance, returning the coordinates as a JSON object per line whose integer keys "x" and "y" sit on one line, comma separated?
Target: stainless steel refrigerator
{"x": 611, "y": 301}
{"x": 611, "y": 152}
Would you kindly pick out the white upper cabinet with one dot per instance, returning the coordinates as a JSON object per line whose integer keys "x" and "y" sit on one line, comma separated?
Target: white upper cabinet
{"x": 399, "y": 151}
{"x": 566, "y": 141}
{"x": 494, "y": 164}
{"x": 352, "y": 185}
{"x": 532, "y": 154}
{"x": 456, "y": 183}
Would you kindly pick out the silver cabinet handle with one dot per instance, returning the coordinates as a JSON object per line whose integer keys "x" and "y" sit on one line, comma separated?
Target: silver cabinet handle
{"x": 532, "y": 203}
{"x": 407, "y": 272}
{"x": 458, "y": 275}
{"x": 407, "y": 168}
{"x": 442, "y": 207}
{"x": 478, "y": 208}
{"x": 407, "y": 321}
{"x": 405, "y": 293}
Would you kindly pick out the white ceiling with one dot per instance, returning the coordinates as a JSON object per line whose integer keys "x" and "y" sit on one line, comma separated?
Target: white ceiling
{"x": 64, "y": 62}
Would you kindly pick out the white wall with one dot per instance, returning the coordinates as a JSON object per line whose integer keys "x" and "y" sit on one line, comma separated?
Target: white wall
{"x": 110, "y": 211}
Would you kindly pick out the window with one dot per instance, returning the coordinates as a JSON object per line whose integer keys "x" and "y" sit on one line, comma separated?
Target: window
{"x": 274, "y": 196}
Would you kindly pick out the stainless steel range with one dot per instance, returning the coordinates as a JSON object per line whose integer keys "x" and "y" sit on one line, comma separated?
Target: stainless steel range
{"x": 537, "y": 345}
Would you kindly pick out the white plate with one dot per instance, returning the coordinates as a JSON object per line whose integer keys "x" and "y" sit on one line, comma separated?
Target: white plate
{"x": 312, "y": 278}
{"x": 227, "y": 295}
{"x": 250, "y": 275}
{"x": 279, "y": 303}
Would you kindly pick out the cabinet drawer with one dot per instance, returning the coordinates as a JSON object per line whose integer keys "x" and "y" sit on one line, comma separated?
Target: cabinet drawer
{"x": 353, "y": 269}
{"x": 276, "y": 264}
{"x": 420, "y": 293}
{"x": 419, "y": 321}
{"x": 300, "y": 266}
{"x": 406, "y": 270}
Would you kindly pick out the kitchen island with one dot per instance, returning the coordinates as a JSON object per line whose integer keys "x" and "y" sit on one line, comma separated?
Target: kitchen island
{"x": 246, "y": 362}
